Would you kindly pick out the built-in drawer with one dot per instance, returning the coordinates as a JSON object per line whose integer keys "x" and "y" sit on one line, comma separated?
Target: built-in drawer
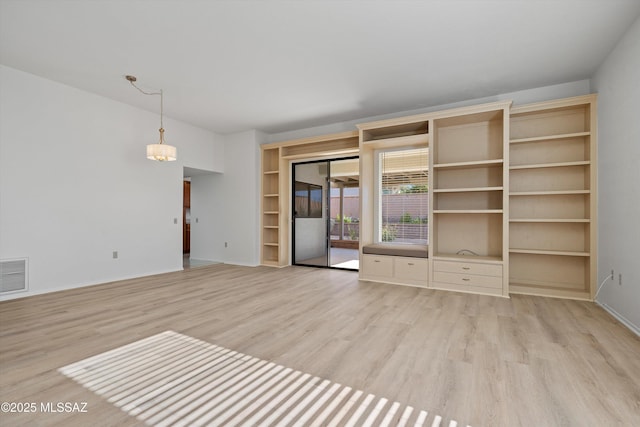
{"x": 468, "y": 279}
{"x": 414, "y": 269}
{"x": 468, "y": 268}
{"x": 377, "y": 265}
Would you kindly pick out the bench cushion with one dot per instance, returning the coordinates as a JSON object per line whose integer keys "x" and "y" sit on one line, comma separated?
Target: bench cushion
{"x": 413, "y": 251}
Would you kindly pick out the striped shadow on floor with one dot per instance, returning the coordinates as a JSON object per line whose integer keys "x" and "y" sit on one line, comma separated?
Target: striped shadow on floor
{"x": 173, "y": 379}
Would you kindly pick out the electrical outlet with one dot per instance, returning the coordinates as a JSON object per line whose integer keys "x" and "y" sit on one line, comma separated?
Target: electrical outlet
{"x": 225, "y": 244}
{"x": 175, "y": 220}
{"x": 115, "y": 254}
{"x": 620, "y": 279}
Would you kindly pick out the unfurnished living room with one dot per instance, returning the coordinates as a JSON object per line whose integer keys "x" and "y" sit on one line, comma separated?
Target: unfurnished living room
{"x": 319, "y": 213}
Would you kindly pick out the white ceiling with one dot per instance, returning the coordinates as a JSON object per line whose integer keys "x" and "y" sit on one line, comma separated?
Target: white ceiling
{"x": 274, "y": 66}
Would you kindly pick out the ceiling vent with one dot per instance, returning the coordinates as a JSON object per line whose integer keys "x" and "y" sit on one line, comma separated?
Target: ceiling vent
{"x": 13, "y": 275}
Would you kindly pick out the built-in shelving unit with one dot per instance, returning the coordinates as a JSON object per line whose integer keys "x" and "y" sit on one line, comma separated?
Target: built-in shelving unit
{"x": 469, "y": 202}
{"x": 275, "y": 192}
{"x": 398, "y": 133}
{"x": 403, "y": 132}
{"x": 412, "y": 131}
{"x": 553, "y": 199}
{"x": 512, "y": 197}
{"x": 271, "y": 207}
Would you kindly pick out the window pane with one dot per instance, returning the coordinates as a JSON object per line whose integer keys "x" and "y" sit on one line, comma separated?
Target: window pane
{"x": 315, "y": 207}
{"x": 308, "y": 200}
{"x": 404, "y": 196}
{"x": 302, "y": 200}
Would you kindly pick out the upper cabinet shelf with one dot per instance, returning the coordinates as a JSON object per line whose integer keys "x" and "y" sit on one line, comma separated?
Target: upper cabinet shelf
{"x": 409, "y": 131}
{"x": 470, "y": 140}
{"x": 469, "y": 164}
{"x": 551, "y": 120}
{"x": 340, "y": 144}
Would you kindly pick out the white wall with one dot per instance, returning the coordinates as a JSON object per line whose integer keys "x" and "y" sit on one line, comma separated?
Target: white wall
{"x": 75, "y": 184}
{"x": 238, "y": 206}
{"x": 563, "y": 90}
{"x": 617, "y": 82}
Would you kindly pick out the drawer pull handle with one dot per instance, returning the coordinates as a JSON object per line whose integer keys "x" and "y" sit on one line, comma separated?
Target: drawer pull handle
{"x": 465, "y": 279}
{"x": 409, "y": 263}
{"x": 466, "y": 268}
{"x": 376, "y": 260}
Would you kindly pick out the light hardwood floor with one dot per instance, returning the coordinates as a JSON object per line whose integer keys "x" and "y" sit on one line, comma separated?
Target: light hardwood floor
{"x": 480, "y": 360}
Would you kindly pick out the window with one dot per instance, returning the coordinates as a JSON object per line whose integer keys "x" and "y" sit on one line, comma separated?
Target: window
{"x": 403, "y": 196}
{"x": 308, "y": 200}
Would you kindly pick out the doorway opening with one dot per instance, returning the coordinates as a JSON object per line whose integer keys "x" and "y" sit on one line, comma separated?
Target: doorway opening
{"x": 326, "y": 213}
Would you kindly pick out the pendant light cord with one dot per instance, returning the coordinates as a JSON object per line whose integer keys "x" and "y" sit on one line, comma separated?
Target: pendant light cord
{"x": 152, "y": 93}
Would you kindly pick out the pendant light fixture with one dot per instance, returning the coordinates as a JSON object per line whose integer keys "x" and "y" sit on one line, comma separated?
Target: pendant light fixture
{"x": 161, "y": 152}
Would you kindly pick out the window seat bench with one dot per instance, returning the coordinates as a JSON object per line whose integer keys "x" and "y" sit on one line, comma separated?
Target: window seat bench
{"x": 410, "y": 251}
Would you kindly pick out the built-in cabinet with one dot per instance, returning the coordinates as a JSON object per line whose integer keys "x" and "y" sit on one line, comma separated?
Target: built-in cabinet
{"x": 512, "y": 196}
{"x": 469, "y": 199}
{"x": 404, "y": 132}
{"x": 272, "y": 251}
{"x": 395, "y": 269}
{"x": 553, "y": 209}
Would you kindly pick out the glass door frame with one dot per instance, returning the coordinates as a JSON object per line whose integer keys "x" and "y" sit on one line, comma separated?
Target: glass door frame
{"x": 326, "y": 211}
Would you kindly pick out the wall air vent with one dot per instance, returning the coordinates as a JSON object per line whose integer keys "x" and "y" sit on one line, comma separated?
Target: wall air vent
{"x": 13, "y": 276}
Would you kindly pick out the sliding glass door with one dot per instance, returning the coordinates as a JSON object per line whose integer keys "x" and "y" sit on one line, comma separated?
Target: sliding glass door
{"x": 310, "y": 246}
{"x": 326, "y": 212}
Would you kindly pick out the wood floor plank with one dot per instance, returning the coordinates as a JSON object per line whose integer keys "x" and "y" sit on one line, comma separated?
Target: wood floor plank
{"x": 483, "y": 361}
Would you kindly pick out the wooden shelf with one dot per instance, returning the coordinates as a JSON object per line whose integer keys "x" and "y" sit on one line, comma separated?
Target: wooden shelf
{"x": 549, "y": 193}
{"x": 547, "y": 289}
{"x": 340, "y": 144}
{"x": 271, "y": 226}
{"x": 270, "y": 244}
{"x": 551, "y": 165}
{"x": 398, "y": 141}
{"x": 271, "y": 195}
{"x": 473, "y": 164}
{"x": 550, "y": 137}
{"x": 549, "y": 252}
{"x": 271, "y": 172}
{"x": 468, "y": 211}
{"x": 389, "y": 129}
{"x": 271, "y": 212}
{"x": 568, "y": 220}
{"x": 466, "y": 190}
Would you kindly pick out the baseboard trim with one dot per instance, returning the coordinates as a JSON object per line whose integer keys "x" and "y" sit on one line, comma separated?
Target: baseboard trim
{"x": 620, "y": 318}
{"x": 33, "y": 292}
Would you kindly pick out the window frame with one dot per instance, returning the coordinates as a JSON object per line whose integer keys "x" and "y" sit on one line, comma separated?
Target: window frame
{"x": 310, "y": 188}
{"x": 377, "y": 195}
